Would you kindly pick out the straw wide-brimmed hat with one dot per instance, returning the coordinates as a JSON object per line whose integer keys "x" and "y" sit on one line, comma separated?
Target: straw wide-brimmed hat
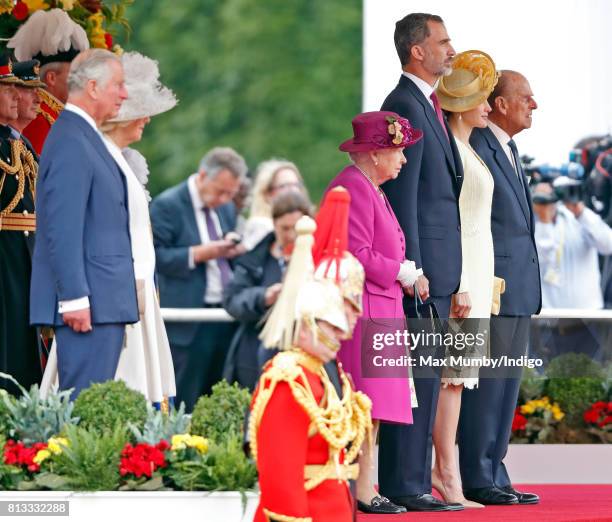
{"x": 380, "y": 130}
{"x": 147, "y": 96}
{"x": 471, "y": 81}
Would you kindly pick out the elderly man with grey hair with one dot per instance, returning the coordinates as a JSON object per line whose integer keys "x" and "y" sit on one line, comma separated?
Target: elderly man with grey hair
{"x": 193, "y": 225}
{"x": 82, "y": 274}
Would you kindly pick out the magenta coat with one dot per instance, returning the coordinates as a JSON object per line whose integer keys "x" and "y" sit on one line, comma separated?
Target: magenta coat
{"x": 377, "y": 241}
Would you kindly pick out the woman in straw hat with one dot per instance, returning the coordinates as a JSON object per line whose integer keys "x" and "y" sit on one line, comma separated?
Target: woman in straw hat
{"x": 463, "y": 94}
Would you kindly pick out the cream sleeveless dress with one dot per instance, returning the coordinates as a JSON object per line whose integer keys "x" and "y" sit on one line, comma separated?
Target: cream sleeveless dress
{"x": 478, "y": 260}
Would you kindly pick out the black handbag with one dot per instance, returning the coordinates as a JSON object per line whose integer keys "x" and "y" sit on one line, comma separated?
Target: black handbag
{"x": 415, "y": 308}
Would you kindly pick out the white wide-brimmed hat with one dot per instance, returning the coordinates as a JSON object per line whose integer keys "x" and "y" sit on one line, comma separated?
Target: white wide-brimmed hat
{"x": 147, "y": 96}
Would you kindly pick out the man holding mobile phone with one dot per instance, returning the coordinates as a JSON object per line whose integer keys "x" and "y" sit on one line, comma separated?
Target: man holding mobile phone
{"x": 193, "y": 225}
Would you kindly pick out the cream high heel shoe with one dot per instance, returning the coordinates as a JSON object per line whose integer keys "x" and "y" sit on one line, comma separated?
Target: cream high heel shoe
{"x": 438, "y": 485}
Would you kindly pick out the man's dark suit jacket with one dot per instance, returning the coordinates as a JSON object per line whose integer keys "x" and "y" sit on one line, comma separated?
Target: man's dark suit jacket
{"x": 425, "y": 195}
{"x": 512, "y": 225}
{"x": 174, "y": 231}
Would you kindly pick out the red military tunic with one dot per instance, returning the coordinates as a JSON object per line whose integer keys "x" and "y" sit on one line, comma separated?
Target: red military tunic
{"x": 287, "y": 443}
{"x": 37, "y": 130}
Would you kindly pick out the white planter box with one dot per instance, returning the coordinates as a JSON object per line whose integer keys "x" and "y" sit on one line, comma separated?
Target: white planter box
{"x": 120, "y": 506}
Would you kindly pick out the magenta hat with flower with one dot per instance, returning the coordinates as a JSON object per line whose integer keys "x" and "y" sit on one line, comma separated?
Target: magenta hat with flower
{"x": 380, "y": 130}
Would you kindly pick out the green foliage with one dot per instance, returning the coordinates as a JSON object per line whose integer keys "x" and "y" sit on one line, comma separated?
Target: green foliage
{"x": 4, "y": 412}
{"x": 225, "y": 467}
{"x": 90, "y": 462}
{"x": 221, "y": 415}
{"x": 532, "y": 385}
{"x": 271, "y": 78}
{"x": 34, "y": 419}
{"x": 103, "y": 405}
{"x": 576, "y": 382}
{"x": 160, "y": 426}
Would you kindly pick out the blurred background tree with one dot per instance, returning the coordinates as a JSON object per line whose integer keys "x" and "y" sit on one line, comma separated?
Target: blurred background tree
{"x": 270, "y": 78}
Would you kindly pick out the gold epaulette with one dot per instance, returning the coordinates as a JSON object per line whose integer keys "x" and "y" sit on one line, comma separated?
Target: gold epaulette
{"x": 278, "y": 517}
{"x": 341, "y": 422}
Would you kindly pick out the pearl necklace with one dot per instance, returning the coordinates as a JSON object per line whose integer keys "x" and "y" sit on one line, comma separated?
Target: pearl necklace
{"x": 380, "y": 192}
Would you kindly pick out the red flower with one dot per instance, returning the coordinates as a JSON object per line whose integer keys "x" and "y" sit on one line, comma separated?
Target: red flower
{"x": 142, "y": 459}
{"x": 108, "y": 39}
{"x": 18, "y": 454}
{"x": 605, "y": 422}
{"x": 519, "y": 422}
{"x": 20, "y": 11}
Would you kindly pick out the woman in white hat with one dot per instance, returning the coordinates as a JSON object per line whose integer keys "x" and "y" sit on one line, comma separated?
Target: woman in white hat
{"x": 145, "y": 363}
{"x": 463, "y": 94}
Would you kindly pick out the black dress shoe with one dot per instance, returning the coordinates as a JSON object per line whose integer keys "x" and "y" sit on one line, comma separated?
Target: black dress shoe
{"x": 523, "y": 498}
{"x": 381, "y": 505}
{"x": 425, "y": 502}
{"x": 490, "y": 496}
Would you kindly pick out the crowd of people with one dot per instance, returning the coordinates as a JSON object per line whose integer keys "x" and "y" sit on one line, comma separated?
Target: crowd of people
{"x": 433, "y": 212}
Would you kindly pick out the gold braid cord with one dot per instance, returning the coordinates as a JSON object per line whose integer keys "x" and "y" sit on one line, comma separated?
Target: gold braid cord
{"x": 341, "y": 422}
{"x": 50, "y": 101}
{"x": 25, "y": 167}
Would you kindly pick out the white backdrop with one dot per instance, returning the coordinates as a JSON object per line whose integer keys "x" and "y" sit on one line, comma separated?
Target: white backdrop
{"x": 563, "y": 47}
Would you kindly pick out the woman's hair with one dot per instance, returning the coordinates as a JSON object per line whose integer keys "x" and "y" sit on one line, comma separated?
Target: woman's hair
{"x": 108, "y": 127}
{"x": 264, "y": 179}
{"x": 289, "y": 202}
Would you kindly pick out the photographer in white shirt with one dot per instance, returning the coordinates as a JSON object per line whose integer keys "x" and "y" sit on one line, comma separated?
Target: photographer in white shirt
{"x": 569, "y": 238}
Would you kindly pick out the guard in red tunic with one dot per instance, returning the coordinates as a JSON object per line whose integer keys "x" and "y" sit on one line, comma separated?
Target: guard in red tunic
{"x": 304, "y": 436}
{"x": 33, "y": 41}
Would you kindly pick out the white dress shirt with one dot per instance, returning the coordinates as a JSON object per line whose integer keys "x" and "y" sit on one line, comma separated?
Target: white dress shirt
{"x": 214, "y": 286}
{"x": 503, "y": 137}
{"x": 568, "y": 250}
{"x": 81, "y": 303}
{"x": 422, "y": 85}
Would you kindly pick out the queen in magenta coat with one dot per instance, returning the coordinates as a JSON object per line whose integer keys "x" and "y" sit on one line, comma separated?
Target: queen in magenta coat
{"x": 377, "y": 241}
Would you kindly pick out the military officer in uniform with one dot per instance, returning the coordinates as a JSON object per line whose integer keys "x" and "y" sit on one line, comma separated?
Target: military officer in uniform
{"x": 296, "y": 407}
{"x": 32, "y": 41}
{"x": 29, "y": 100}
{"x": 19, "y": 354}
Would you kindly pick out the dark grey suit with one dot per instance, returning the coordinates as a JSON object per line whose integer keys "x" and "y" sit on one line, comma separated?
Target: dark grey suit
{"x": 198, "y": 349}
{"x": 424, "y": 198}
{"x": 487, "y": 412}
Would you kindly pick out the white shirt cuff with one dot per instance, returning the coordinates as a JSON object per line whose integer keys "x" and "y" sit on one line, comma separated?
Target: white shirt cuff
{"x": 73, "y": 305}
{"x": 190, "y": 259}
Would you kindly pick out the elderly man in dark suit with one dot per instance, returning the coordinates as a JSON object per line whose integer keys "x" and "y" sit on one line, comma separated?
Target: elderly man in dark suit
{"x": 425, "y": 200}
{"x": 192, "y": 228}
{"x": 82, "y": 272}
{"x": 487, "y": 412}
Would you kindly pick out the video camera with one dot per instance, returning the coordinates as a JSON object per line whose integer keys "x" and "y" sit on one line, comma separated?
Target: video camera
{"x": 586, "y": 177}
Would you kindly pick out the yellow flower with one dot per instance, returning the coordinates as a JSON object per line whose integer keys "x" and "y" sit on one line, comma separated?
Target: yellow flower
{"x": 41, "y": 455}
{"x": 117, "y": 49}
{"x": 54, "y": 444}
{"x": 6, "y": 6}
{"x": 68, "y": 5}
{"x": 180, "y": 441}
{"x": 199, "y": 443}
{"x": 528, "y": 409}
{"x": 96, "y": 31}
{"x": 35, "y": 5}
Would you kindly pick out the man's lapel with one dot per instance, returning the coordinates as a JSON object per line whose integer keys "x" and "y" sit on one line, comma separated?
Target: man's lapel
{"x": 506, "y": 167}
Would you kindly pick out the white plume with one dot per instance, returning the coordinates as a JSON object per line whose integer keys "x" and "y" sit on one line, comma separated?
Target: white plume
{"x": 139, "y": 166}
{"x": 49, "y": 33}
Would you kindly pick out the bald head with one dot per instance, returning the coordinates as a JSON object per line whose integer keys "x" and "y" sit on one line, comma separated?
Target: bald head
{"x": 512, "y": 103}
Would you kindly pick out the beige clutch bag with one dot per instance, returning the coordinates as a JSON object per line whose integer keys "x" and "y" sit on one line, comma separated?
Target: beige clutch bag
{"x": 140, "y": 296}
{"x": 499, "y": 287}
